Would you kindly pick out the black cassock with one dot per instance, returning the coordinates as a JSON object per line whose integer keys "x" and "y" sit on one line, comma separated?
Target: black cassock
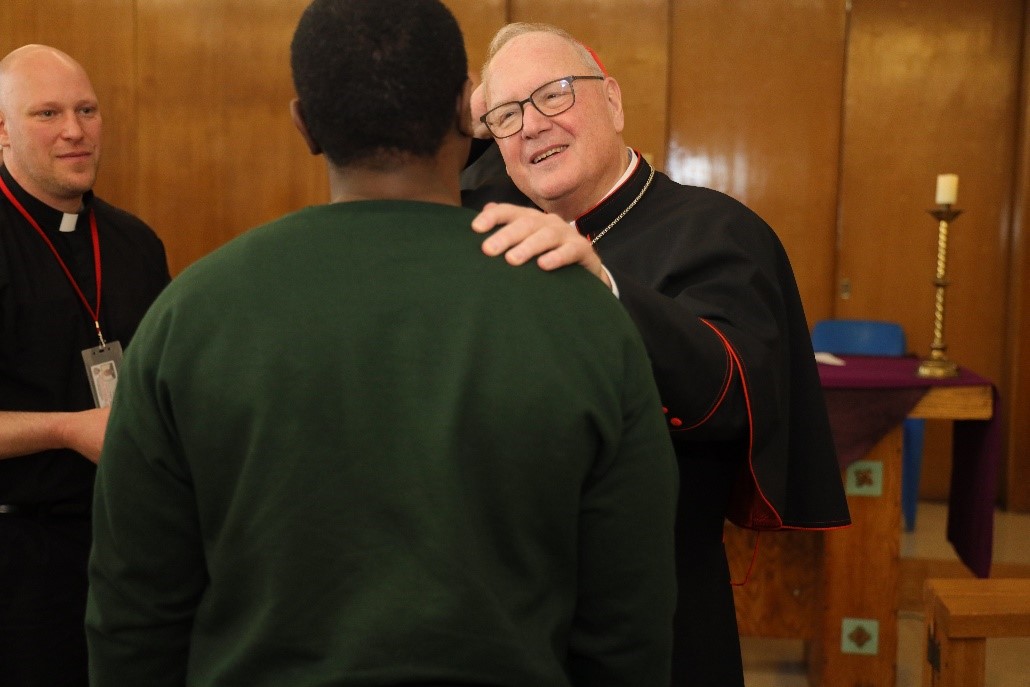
{"x": 711, "y": 289}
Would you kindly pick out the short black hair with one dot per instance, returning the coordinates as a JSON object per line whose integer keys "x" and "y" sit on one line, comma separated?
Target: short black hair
{"x": 378, "y": 79}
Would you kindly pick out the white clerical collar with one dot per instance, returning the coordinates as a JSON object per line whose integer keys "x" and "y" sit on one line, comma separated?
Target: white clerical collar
{"x": 625, "y": 175}
{"x": 622, "y": 180}
{"x": 68, "y": 222}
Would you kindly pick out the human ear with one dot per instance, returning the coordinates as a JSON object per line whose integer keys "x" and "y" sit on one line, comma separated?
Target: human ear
{"x": 613, "y": 97}
{"x": 5, "y": 140}
{"x": 464, "y": 110}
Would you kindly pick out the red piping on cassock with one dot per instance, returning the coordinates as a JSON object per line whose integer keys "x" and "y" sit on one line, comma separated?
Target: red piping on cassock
{"x": 749, "y": 507}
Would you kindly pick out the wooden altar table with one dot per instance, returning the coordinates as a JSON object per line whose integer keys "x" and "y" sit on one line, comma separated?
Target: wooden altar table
{"x": 838, "y": 590}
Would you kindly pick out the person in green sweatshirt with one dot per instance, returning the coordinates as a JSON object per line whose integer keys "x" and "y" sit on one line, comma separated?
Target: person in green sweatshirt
{"x": 348, "y": 448}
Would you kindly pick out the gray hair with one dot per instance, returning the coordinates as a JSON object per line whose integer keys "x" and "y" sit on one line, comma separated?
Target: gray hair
{"x": 510, "y": 31}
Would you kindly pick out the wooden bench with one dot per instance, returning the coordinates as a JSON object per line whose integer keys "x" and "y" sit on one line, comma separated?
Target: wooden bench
{"x": 961, "y": 614}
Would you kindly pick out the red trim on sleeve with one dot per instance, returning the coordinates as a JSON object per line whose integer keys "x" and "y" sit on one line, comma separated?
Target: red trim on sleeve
{"x": 748, "y": 505}
{"x": 751, "y": 565}
{"x": 721, "y": 396}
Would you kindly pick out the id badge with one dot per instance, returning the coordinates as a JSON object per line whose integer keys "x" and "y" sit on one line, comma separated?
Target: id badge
{"x": 102, "y": 371}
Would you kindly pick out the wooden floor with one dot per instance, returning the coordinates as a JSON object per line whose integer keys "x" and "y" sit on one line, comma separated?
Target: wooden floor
{"x": 780, "y": 663}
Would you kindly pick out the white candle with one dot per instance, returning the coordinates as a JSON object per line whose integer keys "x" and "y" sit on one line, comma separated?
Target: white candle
{"x": 947, "y": 189}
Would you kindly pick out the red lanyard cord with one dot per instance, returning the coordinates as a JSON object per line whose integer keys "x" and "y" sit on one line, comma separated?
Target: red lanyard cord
{"x": 95, "y": 314}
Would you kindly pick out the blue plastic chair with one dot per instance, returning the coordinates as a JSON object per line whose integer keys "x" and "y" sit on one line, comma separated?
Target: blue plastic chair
{"x": 877, "y": 337}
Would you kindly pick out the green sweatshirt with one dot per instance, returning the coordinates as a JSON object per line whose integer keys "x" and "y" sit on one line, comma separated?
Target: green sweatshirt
{"x": 348, "y": 448}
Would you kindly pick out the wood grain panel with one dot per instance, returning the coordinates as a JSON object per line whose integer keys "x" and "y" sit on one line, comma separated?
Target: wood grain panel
{"x": 1017, "y": 476}
{"x": 632, "y": 40}
{"x": 806, "y": 584}
{"x": 74, "y": 27}
{"x": 860, "y": 579}
{"x": 219, "y": 153}
{"x": 17, "y": 24}
{"x": 931, "y": 88}
{"x": 754, "y": 111}
{"x": 479, "y": 21}
{"x": 966, "y": 402}
{"x": 779, "y": 600}
{"x": 916, "y": 571}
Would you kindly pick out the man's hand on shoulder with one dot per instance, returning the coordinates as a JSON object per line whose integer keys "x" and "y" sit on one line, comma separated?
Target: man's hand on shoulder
{"x": 527, "y": 233}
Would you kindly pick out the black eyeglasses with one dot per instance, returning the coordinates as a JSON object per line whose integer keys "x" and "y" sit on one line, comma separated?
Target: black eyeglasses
{"x": 551, "y": 99}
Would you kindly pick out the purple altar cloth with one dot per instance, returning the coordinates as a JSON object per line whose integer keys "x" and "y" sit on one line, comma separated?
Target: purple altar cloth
{"x": 870, "y": 395}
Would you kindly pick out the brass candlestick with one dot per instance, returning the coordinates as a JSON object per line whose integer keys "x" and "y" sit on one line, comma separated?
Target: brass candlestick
{"x": 938, "y": 365}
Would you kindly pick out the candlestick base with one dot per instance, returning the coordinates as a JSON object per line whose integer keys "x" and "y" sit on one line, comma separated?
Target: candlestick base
{"x": 945, "y": 213}
{"x": 937, "y": 369}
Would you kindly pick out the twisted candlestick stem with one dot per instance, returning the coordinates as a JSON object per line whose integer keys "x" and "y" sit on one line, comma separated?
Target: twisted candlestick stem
{"x": 940, "y": 283}
{"x": 937, "y": 365}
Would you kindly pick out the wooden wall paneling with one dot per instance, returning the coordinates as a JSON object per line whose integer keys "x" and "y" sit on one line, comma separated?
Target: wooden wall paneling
{"x": 219, "y": 153}
{"x": 11, "y": 13}
{"x": 1017, "y": 476}
{"x": 782, "y": 597}
{"x": 17, "y": 26}
{"x": 100, "y": 34}
{"x": 181, "y": 137}
{"x": 632, "y": 39}
{"x": 931, "y": 88}
{"x": 8, "y": 35}
{"x": 479, "y": 21}
{"x": 198, "y": 140}
{"x": 17, "y": 23}
{"x": 755, "y": 110}
{"x": 269, "y": 169}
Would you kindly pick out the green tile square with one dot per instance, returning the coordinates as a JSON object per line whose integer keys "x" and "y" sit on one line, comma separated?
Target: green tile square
{"x": 864, "y": 478}
{"x": 860, "y": 636}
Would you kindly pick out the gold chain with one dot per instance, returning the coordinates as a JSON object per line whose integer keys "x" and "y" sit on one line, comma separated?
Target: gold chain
{"x": 628, "y": 208}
